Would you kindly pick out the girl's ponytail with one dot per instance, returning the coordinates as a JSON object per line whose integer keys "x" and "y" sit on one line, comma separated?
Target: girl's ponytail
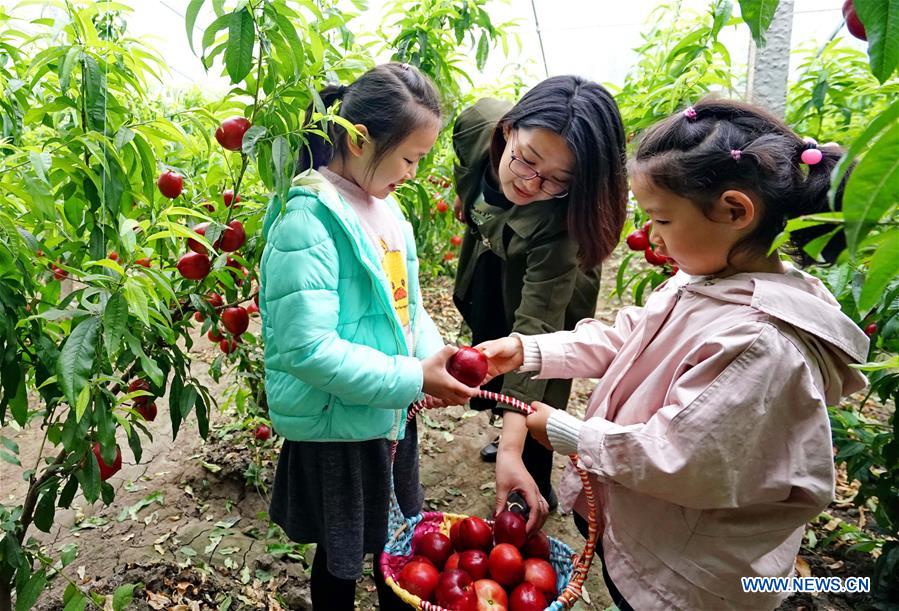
{"x": 811, "y": 197}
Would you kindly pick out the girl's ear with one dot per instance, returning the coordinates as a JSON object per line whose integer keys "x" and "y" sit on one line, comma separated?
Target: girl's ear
{"x": 356, "y": 143}
{"x": 507, "y": 131}
{"x": 735, "y": 208}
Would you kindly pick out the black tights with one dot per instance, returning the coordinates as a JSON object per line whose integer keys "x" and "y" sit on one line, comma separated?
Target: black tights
{"x": 333, "y": 593}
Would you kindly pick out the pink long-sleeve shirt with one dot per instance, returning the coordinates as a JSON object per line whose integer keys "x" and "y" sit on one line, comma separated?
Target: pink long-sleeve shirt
{"x": 707, "y": 437}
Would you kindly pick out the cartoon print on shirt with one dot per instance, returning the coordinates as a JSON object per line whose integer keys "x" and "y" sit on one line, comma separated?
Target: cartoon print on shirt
{"x": 394, "y": 265}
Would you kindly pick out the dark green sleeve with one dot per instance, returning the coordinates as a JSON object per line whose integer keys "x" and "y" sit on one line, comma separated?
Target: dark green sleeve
{"x": 549, "y": 282}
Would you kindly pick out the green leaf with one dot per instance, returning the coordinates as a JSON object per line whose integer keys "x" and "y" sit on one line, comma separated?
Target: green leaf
{"x": 10, "y": 458}
{"x": 115, "y": 320}
{"x": 176, "y": 388}
{"x": 68, "y": 493}
{"x": 123, "y": 137}
{"x": 41, "y": 163}
{"x": 81, "y": 402}
{"x": 892, "y": 363}
{"x": 873, "y": 187}
{"x": 42, "y": 201}
{"x": 187, "y": 399}
{"x": 12, "y": 379}
{"x": 68, "y": 553}
{"x": 137, "y": 300}
{"x": 193, "y": 9}
{"x": 29, "y": 593}
{"x": 875, "y": 127}
{"x": 881, "y": 21}
{"x": 9, "y": 444}
{"x": 77, "y": 358}
{"x": 758, "y": 15}
{"x": 202, "y": 411}
{"x": 89, "y": 477}
{"x": 283, "y": 166}
{"x": 884, "y": 267}
{"x": 46, "y": 510}
{"x": 77, "y": 602}
{"x": 251, "y": 137}
{"x": 65, "y": 71}
{"x": 241, "y": 40}
{"x": 123, "y": 595}
{"x": 722, "y": 12}
{"x": 94, "y": 83}
{"x": 148, "y": 365}
{"x": 220, "y": 23}
{"x": 483, "y": 50}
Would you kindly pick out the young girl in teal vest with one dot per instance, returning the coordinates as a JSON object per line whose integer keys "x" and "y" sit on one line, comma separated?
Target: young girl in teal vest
{"x": 348, "y": 345}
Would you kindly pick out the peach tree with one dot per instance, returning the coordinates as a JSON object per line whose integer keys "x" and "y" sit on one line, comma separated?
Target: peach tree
{"x": 128, "y": 227}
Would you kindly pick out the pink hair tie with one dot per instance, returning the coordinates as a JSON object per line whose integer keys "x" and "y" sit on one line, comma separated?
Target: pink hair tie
{"x": 690, "y": 113}
{"x": 736, "y": 154}
{"x": 811, "y": 155}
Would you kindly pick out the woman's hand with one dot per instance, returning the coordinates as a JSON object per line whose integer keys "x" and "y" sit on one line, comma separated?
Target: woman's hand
{"x": 511, "y": 474}
{"x": 440, "y": 384}
{"x": 537, "y": 423}
{"x": 459, "y": 209}
{"x": 503, "y": 355}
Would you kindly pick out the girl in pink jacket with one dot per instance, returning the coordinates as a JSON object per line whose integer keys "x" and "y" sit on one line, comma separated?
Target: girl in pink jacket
{"x": 707, "y": 436}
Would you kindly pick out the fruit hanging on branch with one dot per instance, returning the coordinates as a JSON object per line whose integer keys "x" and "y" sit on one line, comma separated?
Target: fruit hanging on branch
{"x": 228, "y": 197}
{"x": 199, "y": 229}
{"x": 230, "y": 133}
{"x": 170, "y": 184}
{"x": 147, "y": 410}
{"x": 194, "y": 266}
{"x": 233, "y": 237}
{"x": 107, "y": 471}
{"x": 853, "y": 23}
{"x": 236, "y": 320}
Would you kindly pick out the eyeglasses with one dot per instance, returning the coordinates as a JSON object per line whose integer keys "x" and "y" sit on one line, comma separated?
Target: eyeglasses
{"x": 522, "y": 169}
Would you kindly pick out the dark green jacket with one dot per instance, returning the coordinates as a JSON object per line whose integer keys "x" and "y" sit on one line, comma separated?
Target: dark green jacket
{"x": 542, "y": 287}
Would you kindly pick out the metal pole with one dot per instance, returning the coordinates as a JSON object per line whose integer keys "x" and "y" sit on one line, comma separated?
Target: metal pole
{"x": 540, "y": 38}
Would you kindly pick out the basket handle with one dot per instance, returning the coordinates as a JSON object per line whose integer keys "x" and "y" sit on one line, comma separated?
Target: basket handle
{"x": 572, "y": 591}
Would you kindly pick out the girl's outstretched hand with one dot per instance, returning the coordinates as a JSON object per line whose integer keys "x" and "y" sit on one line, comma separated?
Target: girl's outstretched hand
{"x": 433, "y": 402}
{"x": 537, "y": 423}
{"x": 503, "y": 355}
{"x": 440, "y": 384}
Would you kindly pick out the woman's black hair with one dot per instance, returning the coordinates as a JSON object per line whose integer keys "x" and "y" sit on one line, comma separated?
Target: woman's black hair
{"x": 718, "y": 145}
{"x": 391, "y": 100}
{"x": 585, "y": 115}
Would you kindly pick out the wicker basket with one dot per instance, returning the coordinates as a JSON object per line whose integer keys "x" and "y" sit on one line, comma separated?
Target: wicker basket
{"x": 571, "y": 568}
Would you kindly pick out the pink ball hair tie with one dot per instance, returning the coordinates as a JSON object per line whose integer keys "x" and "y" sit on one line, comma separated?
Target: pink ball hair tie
{"x": 736, "y": 154}
{"x": 811, "y": 155}
{"x": 690, "y": 113}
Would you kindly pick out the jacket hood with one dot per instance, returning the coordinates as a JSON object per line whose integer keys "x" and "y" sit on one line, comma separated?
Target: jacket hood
{"x": 803, "y": 302}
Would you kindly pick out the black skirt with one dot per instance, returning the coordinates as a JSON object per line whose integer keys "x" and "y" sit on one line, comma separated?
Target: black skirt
{"x": 336, "y": 494}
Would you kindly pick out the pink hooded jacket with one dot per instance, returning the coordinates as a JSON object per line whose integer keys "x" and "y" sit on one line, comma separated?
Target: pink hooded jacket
{"x": 707, "y": 436}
